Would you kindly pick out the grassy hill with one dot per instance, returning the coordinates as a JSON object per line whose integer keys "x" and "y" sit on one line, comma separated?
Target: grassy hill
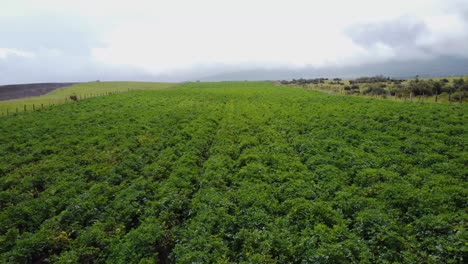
{"x": 82, "y": 90}
{"x": 15, "y": 91}
{"x": 243, "y": 172}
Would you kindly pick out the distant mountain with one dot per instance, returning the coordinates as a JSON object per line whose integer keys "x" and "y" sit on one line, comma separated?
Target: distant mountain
{"x": 442, "y": 66}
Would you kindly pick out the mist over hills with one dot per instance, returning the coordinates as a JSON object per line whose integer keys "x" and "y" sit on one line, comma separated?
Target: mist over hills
{"x": 437, "y": 67}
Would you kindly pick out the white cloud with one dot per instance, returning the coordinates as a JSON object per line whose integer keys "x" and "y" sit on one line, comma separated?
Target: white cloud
{"x": 167, "y": 47}
{"x": 5, "y": 53}
{"x": 184, "y": 34}
{"x": 160, "y": 36}
{"x": 268, "y": 34}
{"x": 448, "y": 34}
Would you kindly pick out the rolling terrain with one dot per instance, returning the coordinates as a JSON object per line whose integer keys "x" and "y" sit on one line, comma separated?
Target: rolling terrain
{"x": 15, "y": 91}
{"x": 62, "y": 95}
{"x": 234, "y": 172}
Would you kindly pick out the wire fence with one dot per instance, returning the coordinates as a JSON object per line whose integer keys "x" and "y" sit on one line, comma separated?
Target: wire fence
{"x": 40, "y": 106}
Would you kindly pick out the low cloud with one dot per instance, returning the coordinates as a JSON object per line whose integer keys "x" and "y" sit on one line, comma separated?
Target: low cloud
{"x": 412, "y": 38}
{"x": 5, "y": 52}
{"x": 47, "y": 68}
{"x": 402, "y": 32}
{"x": 66, "y": 34}
{"x": 185, "y": 40}
{"x": 40, "y": 49}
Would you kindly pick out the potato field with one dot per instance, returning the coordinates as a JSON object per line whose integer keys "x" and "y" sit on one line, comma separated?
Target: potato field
{"x": 235, "y": 172}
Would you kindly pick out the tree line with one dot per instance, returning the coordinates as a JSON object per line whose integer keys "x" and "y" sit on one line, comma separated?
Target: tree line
{"x": 456, "y": 90}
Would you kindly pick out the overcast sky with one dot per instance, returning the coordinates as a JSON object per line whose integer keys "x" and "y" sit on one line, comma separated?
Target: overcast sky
{"x": 70, "y": 40}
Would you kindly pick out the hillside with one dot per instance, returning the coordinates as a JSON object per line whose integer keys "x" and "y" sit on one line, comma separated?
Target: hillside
{"x": 14, "y": 91}
{"x": 243, "y": 172}
{"x": 62, "y": 95}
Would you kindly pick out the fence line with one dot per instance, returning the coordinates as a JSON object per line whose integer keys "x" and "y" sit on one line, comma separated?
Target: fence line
{"x": 32, "y": 106}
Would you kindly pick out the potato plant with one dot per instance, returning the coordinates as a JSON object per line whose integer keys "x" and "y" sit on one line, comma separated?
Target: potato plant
{"x": 234, "y": 172}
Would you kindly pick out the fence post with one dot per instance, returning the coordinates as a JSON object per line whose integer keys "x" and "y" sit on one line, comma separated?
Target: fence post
{"x": 42, "y": 106}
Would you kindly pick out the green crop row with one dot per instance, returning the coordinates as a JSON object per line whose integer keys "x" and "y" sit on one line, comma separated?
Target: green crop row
{"x": 234, "y": 172}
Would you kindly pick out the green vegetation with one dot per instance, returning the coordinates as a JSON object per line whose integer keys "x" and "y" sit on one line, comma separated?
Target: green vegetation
{"x": 83, "y": 90}
{"x": 242, "y": 172}
{"x": 450, "y": 89}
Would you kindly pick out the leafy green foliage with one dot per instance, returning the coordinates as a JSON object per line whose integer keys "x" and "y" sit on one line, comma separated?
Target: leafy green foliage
{"x": 451, "y": 89}
{"x": 234, "y": 172}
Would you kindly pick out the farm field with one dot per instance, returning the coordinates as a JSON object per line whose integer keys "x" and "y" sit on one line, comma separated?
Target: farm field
{"x": 234, "y": 172}
{"x": 82, "y": 90}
